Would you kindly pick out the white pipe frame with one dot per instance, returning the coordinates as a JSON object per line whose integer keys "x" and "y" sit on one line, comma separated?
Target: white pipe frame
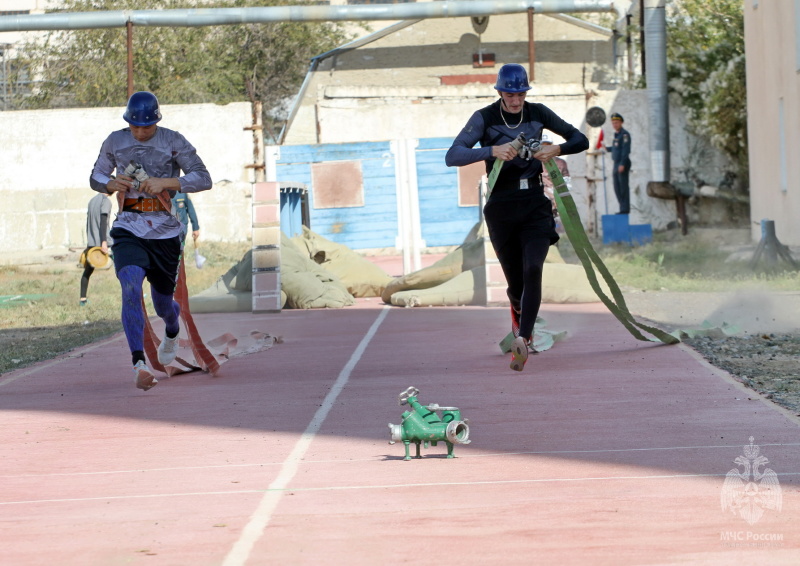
{"x": 197, "y": 17}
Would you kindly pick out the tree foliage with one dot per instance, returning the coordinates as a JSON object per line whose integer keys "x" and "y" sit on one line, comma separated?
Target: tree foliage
{"x": 706, "y": 67}
{"x": 182, "y": 65}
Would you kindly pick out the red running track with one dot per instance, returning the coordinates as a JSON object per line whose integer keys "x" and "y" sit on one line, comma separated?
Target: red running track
{"x": 605, "y": 450}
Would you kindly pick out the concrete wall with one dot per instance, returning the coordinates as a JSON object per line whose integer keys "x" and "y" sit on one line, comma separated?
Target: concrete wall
{"x": 772, "y": 44}
{"x": 48, "y": 156}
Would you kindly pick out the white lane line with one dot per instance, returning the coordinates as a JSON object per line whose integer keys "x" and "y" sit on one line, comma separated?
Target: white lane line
{"x": 381, "y": 458}
{"x": 260, "y": 519}
{"x": 609, "y": 450}
{"x": 278, "y": 491}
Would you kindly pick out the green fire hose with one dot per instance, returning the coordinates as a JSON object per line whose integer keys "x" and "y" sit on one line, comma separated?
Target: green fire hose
{"x": 591, "y": 261}
{"x": 588, "y": 257}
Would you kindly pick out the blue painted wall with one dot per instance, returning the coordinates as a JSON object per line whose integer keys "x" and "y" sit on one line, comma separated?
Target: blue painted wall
{"x": 374, "y": 225}
{"x": 444, "y": 222}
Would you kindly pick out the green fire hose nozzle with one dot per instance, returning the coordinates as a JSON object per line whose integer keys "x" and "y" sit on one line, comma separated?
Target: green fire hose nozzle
{"x": 424, "y": 424}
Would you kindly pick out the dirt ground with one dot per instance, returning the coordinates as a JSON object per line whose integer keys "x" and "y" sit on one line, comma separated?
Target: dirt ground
{"x": 765, "y": 352}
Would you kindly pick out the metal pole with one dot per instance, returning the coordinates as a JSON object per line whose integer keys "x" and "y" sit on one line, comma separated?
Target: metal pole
{"x": 642, "y": 38}
{"x": 531, "y": 45}
{"x": 605, "y": 189}
{"x": 629, "y": 46}
{"x": 129, "y": 26}
{"x": 5, "y": 80}
{"x": 308, "y": 13}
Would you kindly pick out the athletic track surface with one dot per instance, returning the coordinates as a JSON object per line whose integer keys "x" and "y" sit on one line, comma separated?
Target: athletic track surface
{"x": 604, "y": 450}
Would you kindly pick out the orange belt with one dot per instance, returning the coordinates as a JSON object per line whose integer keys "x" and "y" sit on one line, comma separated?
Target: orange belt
{"x": 144, "y": 205}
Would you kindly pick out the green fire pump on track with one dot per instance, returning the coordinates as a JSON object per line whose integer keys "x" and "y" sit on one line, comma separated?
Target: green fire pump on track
{"x": 424, "y": 424}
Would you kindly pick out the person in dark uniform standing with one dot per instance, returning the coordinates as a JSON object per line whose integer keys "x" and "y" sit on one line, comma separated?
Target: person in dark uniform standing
{"x": 518, "y": 215}
{"x": 621, "y": 156}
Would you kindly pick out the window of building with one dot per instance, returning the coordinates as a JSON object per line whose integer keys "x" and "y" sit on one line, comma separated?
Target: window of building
{"x": 339, "y": 184}
{"x": 469, "y": 178}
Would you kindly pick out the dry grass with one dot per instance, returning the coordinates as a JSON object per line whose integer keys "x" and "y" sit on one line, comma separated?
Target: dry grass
{"x": 687, "y": 263}
{"x": 52, "y": 322}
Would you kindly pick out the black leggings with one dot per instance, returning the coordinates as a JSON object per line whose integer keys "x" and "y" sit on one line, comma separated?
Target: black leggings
{"x": 523, "y": 264}
{"x": 522, "y": 232}
{"x": 87, "y": 272}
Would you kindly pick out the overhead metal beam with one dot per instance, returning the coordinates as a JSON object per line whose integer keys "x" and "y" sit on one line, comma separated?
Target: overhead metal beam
{"x": 197, "y": 17}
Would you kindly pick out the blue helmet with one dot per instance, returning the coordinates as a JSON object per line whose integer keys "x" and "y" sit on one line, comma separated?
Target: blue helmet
{"x": 512, "y": 78}
{"x": 142, "y": 109}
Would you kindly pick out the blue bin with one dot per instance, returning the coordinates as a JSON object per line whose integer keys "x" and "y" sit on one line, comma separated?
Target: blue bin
{"x": 616, "y": 229}
{"x": 294, "y": 208}
{"x": 641, "y": 234}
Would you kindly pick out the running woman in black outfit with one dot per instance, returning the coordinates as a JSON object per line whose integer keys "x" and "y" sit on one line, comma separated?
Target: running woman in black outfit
{"x": 518, "y": 214}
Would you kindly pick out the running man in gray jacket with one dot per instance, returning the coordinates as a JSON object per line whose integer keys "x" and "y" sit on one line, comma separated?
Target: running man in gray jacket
{"x": 148, "y": 239}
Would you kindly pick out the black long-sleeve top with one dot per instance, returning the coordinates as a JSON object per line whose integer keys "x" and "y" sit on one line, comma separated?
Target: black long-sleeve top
{"x": 487, "y": 128}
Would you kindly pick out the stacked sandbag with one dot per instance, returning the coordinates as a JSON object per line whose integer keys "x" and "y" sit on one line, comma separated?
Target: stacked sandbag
{"x": 554, "y": 256}
{"x": 361, "y": 277}
{"x": 232, "y": 292}
{"x": 460, "y": 279}
{"x": 308, "y": 285}
{"x": 561, "y": 283}
{"x": 467, "y": 288}
{"x": 464, "y": 258}
{"x": 568, "y": 283}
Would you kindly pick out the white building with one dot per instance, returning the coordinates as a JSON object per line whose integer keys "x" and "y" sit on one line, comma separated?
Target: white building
{"x": 772, "y": 46}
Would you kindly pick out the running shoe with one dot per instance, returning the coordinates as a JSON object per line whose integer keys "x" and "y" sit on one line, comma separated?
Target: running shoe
{"x": 519, "y": 353}
{"x": 515, "y": 322}
{"x": 168, "y": 350}
{"x": 143, "y": 377}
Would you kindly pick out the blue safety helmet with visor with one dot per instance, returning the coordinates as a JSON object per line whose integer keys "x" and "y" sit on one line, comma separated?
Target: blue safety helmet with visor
{"x": 142, "y": 109}
{"x": 512, "y": 78}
